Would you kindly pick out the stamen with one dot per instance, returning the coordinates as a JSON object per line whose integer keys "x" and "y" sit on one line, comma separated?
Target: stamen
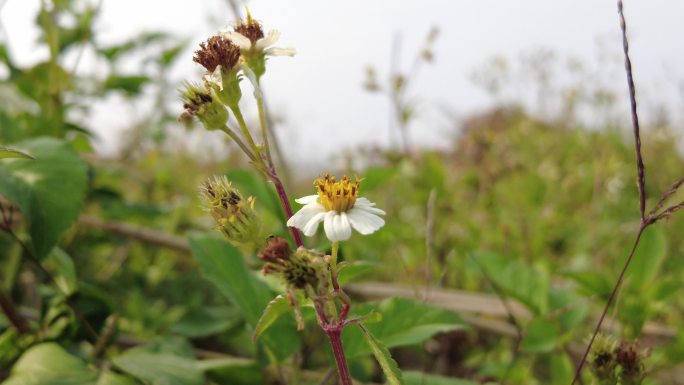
{"x": 337, "y": 196}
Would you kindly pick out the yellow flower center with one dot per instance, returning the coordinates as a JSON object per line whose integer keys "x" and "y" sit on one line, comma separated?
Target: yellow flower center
{"x": 338, "y": 196}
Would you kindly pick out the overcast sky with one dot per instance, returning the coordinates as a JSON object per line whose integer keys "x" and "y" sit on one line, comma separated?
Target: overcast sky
{"x": 319, "y": 91}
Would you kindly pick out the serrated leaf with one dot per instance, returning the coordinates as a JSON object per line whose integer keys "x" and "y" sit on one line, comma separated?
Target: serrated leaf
{"x": 48, "y": 190}
{"x": 383, "y": 356}
{"x": 159, "y": 368}
{"x": 404, "y": 322}
{"x": 6, "y": 152}
{"x": 277, "y": 307}
{"x": 49, "y": 364}
{"x": 224, "y": 266}
{"x": 412, "y": 377}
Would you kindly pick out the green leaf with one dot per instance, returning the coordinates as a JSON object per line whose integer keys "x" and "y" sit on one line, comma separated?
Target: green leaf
{"x": 541, "y": 336}
{"x": 224, "y": 266}
{"x": 159, "y": 368}
{"x": 522, "y": 282}
{"x": 232, "y": 371}
{"x": 355, "y": 270}
{"x": 48, "y": 190}
{"x": 383, "y": 356}
{"x": 277, "y": 307}
{"x": 109, "y": 378}
{"x": 61, "y": 263}
{"x": 6, "y": 152}
{"x": 648, "y": 258}
{"x": 208, "y": 321}
{"x": 49, "y": 364}
{"x": 419, "y": 378}
{"x": 404, "y": 322}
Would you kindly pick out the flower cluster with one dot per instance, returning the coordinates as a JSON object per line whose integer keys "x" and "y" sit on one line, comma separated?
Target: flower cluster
{"x": 302, "y": 269}
{"x": 227, "y": 57}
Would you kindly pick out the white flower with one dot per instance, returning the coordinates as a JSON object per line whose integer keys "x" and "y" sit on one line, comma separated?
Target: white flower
{"x": 339, "y": 208}
{"x": 263, "y": 44}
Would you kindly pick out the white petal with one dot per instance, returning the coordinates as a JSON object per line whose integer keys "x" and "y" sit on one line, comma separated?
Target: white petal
{"x": 307, "y": 199}
{"x": 214, "y": 77}
{"x": 271, "y": 38}
{"x": 304, "y": 215}
{"x": 329, "y": 226}
{"x": 344, "y": 228}
{"x": 363, "y": 221}
{"x": 278, "y": 51}
{"x": 238, "y": 39}
{"x": 367, "y": 205}
{"x": 310, "y": 228}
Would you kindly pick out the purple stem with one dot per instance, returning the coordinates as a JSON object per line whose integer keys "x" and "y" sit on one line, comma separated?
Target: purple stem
{"x": 334, "y": 333}
{"x": 282, "y": 195}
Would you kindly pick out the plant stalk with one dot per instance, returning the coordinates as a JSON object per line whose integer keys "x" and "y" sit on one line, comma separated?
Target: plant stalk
{"x": 282, "y": 195}
{"x": 335, "y": 337}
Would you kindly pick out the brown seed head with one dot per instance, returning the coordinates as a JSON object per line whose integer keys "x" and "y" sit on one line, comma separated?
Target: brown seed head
{"x": 217, "y": 50}
{"x": 250, "y": 29}
{"x": 275, "y": 251}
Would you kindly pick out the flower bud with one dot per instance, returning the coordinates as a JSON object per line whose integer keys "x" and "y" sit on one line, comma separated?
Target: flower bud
{"x": 602, "y": 359}
{"x": 235, "y": 216}
{"x": 198, "y": 102}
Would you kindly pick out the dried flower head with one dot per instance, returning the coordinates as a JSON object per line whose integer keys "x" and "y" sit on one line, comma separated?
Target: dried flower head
{"x": 235, "y": 216}
{"x": 217, "y": 51}
{"x": 199, "y": 102}
{"x": 631, "y": 361}
{"x": 339, "y": 207}
{"x": 300, "y": 269}
{"x": 250, "y": 29}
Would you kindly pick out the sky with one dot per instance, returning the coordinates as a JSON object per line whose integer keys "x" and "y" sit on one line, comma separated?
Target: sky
{"x": 319, "y": 92}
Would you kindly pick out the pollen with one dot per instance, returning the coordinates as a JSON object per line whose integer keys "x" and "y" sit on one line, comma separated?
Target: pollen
{"x": 337, "y": 196}
{"x": 250, "y": 29}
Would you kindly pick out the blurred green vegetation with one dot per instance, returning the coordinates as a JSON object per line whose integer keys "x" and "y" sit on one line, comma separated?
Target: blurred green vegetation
{"x": 538, "y": 211}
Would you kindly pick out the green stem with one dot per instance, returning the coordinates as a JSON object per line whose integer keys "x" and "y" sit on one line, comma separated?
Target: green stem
{"x": 243, "y": 128}
{"x": 239, "y": 142}
{"x": 264, "y": 129}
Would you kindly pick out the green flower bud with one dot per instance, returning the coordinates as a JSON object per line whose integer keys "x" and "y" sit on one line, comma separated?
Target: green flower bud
{"x": 602, "y": 359}
{"x": 198, "y": 102}
{"x": 235, "y": 216}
